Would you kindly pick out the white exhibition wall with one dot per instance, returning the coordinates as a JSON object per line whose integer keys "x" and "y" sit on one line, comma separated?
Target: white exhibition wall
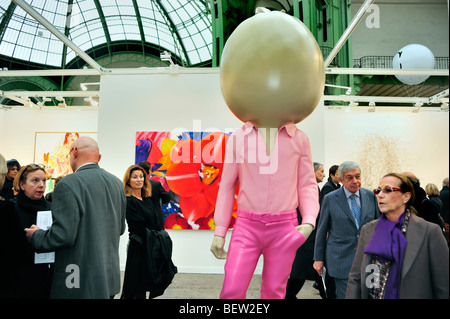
{"x": 166, "y": 102}
{"x": 417, "y": 142}
{"x": 18, "y": 128}
{"x": 152, "y": 102}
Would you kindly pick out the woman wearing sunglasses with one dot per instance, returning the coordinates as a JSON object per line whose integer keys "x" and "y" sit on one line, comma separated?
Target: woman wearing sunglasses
{"x": 34, "y": 279}
{"x": 399, "y": 255}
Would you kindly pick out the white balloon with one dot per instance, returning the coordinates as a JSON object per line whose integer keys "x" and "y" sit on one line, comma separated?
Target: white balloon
{"x": 413, "y": 56}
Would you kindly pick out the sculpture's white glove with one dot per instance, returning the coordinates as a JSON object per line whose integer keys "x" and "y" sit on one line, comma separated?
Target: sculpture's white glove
{"x": 305, "y": 229}
{"x": 217, "y": 247}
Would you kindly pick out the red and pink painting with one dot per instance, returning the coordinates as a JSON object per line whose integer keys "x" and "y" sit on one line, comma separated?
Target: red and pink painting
{"x": 189, "y": 165}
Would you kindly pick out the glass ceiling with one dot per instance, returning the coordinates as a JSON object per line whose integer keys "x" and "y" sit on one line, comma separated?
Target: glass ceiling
{"x": 182, "y": 27}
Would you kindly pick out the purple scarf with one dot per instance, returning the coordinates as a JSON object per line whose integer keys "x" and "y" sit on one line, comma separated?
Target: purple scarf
{"x": 389, "y": 243}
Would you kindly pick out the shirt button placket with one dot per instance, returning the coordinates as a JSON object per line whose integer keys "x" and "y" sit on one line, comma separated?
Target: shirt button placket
{"x": 269, "y": 194}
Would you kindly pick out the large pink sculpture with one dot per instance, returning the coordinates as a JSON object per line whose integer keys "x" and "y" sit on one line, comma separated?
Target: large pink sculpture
{"x": 272, "y": 76}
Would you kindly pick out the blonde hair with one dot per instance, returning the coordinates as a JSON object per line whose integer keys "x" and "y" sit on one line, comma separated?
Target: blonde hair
{"x": 432, "y": 189}
{"x": 146, "y": 190}
{"x": 3, "y": 167}
{"x": 22, "y": 175}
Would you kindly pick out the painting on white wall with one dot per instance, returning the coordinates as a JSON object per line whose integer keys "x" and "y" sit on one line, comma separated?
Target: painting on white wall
{"x": 377, "y": 156}
{"x": 188, "y": 165}
{"x": 52, "y": 148}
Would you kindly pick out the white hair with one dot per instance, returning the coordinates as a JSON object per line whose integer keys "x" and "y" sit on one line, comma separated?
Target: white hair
{"x": 347, "y": 166}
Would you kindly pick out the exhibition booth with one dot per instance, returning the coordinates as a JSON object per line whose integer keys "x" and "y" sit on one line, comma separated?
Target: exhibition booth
{"x": 168, "y": 99}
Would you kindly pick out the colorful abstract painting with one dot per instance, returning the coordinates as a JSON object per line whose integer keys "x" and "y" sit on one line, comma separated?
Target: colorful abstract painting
{"x": 51, "y": 150}
{"x": 188, "y": 165}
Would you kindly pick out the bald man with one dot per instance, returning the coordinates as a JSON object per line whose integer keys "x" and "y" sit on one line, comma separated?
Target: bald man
{"x": 88, "y": 211}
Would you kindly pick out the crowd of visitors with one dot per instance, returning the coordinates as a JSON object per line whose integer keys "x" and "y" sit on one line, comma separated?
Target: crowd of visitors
{"x": 390, "y": 242}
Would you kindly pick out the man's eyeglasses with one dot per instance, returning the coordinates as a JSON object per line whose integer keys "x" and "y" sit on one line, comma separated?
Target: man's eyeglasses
{"x": 71, "y": 149}
{"x": 386, "y": 190}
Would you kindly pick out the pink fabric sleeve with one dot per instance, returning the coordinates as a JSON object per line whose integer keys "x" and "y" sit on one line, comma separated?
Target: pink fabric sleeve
{"x": 308, "y": 196}
{"x": 227, "y": 190}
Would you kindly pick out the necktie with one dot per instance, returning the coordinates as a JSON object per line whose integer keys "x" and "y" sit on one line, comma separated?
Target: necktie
{"x": 356, "y": 210}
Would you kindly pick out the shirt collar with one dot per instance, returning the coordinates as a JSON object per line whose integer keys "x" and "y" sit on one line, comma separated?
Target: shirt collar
{"x": 84, "y": 165}
{"x": 348, "y": 193}
{"x": 290, "y": 127}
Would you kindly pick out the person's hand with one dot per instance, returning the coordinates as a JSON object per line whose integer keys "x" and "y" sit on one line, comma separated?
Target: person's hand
{"x": 305, "y": 229}
{"x": 318, "y": 266}
{"x": 30, "y": 231}
{"x": 217, "y": 247}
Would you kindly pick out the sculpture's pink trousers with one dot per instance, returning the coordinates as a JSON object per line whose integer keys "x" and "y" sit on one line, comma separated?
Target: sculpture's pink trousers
{"x": 269, "y": 234}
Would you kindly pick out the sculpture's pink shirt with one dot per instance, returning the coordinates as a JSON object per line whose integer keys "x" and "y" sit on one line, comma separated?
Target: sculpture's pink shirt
{"x": 275, "y": 183}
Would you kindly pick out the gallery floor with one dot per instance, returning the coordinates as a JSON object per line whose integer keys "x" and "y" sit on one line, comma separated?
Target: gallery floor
{"x": 208, "y": 286}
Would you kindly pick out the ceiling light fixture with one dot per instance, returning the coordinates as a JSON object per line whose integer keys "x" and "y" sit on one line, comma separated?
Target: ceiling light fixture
{"x": 62, "y": 100}
{"x": 416, "y": 107}
{"x": 28, "y": 103}
{"x": 349, "y": 89}
{"x": 84, "y": 86}
{"x": 91, "y": 101}
{"x": 166, "y": 56}
{"x": 44, "y": 100}
{"x": 350, "y": 105}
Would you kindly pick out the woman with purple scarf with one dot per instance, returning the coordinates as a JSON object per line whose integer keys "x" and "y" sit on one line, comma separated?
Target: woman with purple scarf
{"x": 399, "y": 255}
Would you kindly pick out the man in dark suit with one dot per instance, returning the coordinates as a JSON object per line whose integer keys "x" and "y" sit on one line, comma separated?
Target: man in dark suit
{"x": 88, "y": 210}
{"x": 444, "y": 196}
{"x": 302, "y": 269}
{"x": 319, "y": 173}
{"x": 333, "y": 181}
{"x": 342, "y": 214}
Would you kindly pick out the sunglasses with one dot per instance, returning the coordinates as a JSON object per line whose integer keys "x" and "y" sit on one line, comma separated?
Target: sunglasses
{"x": 386, "y": 190}
{"x": 32, "y": 166}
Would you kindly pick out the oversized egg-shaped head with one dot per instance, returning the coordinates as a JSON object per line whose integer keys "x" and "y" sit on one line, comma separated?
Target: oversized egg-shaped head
{"x": 272, "y": 70}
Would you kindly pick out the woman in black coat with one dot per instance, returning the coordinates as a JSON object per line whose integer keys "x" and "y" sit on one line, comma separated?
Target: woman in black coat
{"x": 433, "y": 194}
{"x": 34, "y": 280}
{"x": 12, "y": 241}
{"x": 149, "y": 266}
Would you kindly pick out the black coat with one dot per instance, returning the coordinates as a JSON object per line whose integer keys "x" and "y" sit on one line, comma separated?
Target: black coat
{"x": 12, "y": 245}
{"x": 426, "y": 208}
{"x": 34, "y": 280}
{"x": 159, "y": 195}
{"x": 149, "y": 266}
{"x": 444, "y": 195}
{"x": 302, "y": 266}
{"x": 7, "y": 190}
{"x": 328, "y": 187}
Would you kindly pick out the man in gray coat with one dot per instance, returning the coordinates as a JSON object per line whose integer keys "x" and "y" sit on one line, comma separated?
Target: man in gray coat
{"x": 88, "y": 218}
{"x": 342, "y": 214}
